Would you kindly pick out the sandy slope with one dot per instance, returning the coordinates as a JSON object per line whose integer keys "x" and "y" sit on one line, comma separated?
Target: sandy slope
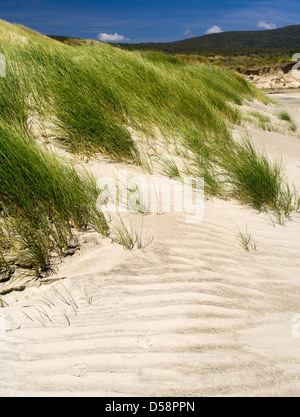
{"x": 275, "y": 78}
{"x": 192, "y": 314}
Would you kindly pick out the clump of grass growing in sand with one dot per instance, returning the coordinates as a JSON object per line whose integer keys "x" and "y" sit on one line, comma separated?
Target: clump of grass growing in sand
{"x": 260, "y": 121}
{"x": 284, "y": 115}
{"x": 128, "y": 237}
{"x": 262, "y": 118}
{"x": 257, "y": 181}
{"x": 246, "y": 241}
{"x": 42, "y": 201}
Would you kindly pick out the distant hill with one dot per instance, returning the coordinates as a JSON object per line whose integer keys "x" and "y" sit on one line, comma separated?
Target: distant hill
{"x": 231, "y": 43}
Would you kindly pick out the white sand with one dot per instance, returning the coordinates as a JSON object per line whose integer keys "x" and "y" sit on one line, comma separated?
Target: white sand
{"x": 192, "y": 315}
{"x": 275, "y": 79}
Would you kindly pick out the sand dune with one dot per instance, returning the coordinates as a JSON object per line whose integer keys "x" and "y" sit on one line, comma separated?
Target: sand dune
{"x": 193, "y": 314}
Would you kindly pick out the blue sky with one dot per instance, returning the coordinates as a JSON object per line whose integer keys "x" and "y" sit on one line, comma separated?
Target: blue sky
{"x": 145, "y": 20}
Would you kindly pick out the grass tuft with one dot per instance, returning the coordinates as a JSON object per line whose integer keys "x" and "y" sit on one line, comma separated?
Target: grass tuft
{"x": 42, "y": 201}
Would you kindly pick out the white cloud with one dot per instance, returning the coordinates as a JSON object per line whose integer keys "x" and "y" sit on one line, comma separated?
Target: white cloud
{"x": 213, "y": 29}
{"x": 109, "y": 37}
{"x": 264, "y": 25}
{"x": 188, "y": 33}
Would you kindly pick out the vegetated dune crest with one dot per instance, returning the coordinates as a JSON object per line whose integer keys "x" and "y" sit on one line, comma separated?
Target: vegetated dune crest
{"x": 201, "y": 309}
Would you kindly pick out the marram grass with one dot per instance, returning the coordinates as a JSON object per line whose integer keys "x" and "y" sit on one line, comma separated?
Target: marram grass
{"x": 41, "y": 201}
{"x": 95, "y": 95}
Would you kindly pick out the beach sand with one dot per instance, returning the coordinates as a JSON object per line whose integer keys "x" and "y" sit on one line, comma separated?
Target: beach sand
{"x": 193, "y": 314}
